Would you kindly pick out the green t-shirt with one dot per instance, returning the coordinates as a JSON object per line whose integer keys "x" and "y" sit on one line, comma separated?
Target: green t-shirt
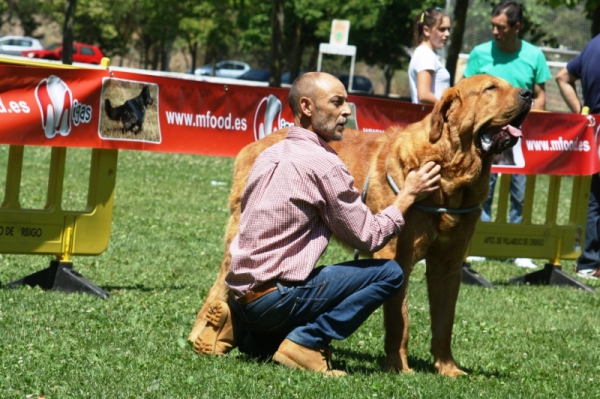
{"x": 523, "y": 68}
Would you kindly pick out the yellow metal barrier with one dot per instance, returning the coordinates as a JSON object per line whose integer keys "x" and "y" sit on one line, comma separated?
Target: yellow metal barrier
{"x": 52, "y": 230}
{"x": 547, "y": 238}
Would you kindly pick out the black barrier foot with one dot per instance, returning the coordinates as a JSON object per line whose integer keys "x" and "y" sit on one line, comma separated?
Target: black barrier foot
{"x": 471, "y": 277}
{"x": 60, "y": 276}
{"x": 551, "y": 275}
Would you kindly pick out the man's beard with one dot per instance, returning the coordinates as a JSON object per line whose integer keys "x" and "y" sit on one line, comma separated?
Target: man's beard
{"x": 327, "y": 131}
{"x": 338, "y": 135}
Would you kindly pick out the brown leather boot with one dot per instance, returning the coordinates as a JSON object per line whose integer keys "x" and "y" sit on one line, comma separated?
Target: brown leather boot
{"x": 216, "y": 338}
{"x": 290, "y": 354}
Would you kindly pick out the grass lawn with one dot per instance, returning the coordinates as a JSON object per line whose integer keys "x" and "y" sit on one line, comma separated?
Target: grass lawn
{"x": 165, "y": 250}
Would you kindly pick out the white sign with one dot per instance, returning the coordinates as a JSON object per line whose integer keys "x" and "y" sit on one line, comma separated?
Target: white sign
{"x": 337, "y": 49}
{"x": 340, "y": 30}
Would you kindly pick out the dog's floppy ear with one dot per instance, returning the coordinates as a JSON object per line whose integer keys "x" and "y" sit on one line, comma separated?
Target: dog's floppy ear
{"x": 438, "y": 115}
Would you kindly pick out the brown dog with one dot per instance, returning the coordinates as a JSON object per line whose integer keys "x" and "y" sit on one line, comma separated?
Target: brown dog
{"x": 470, "y": 123}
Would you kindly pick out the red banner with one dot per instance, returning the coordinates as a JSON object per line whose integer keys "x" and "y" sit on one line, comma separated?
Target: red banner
{"x": 123, "y": 110}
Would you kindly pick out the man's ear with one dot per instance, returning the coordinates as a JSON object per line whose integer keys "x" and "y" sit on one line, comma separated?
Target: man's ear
{"x": 517, "y": 27}
{"x": 306, "y": 106}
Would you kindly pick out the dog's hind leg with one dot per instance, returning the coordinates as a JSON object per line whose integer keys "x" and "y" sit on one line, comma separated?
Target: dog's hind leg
{"x": 219, "y": 290}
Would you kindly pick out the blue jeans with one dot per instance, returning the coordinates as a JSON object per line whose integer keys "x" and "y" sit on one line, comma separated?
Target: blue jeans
{"x": 330, "y": 304}
{"x": 517, "y": 196}
{"x": 590, "y": 256}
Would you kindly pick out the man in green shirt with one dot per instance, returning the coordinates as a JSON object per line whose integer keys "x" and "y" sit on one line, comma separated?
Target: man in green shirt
{"x": 521, "y": 64}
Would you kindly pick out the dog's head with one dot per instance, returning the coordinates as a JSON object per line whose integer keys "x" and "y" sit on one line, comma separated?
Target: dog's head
{"x": 485, "y": 111}
{"x": 146, "y": 95}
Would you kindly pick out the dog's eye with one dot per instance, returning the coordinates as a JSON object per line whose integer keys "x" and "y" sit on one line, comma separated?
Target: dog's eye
{"x": 492, "y": 87}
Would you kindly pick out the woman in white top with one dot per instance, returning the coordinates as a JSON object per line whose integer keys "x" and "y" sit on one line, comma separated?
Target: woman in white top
{"x": 427, "y": 75}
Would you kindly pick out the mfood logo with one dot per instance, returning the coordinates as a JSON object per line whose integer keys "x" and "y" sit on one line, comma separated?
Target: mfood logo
{"x": 58, "y": 108}
{"x": 268, "y": 117}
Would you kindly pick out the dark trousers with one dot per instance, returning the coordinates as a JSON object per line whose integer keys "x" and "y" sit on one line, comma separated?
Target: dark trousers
{"x": 590, "y": 257}
{"x": 331, "y": 304}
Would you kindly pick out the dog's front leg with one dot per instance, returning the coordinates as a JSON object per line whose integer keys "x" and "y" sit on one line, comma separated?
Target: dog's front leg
{"x": 443, "y": 285}
{"x": 395, "y": 323}
{"x": 395, "y": 313}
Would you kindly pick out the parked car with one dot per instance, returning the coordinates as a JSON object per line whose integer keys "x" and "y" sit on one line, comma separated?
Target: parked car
{"x": 14, "y": 45}
{"x": 224, "y": 69}
{"x": 85, "y": 53}
{"x": 262, "y": 75}
{"x": 255, "y": 75}
{"x": 360, "y": 84}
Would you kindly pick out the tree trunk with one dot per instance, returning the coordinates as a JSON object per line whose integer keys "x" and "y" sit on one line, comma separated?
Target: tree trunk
{"x": 193, "y": 49}
{"x": 277, "y": 22}
{"x": 166, "y": 56}
{"x": 295, "y": 54}
{"x": 388, "y": 72}
{"x": 460, "y": 19}
{"x": 155, "y": 54}
{"x": 314, "y": 59}
{"x": 67, "y": 44}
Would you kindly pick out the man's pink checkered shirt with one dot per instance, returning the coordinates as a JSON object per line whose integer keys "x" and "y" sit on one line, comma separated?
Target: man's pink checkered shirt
{"x": 298, "y": 193}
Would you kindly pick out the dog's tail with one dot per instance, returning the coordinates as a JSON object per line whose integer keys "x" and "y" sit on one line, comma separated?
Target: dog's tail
{"x": 110, "y": 111}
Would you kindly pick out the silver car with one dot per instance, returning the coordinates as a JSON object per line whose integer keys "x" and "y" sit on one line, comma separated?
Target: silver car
{"x": 14, "y": 45}
{"x": 224, "y": 69}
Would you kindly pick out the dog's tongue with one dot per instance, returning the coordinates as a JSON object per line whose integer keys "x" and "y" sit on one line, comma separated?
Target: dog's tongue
{"x": 513, "y": 131}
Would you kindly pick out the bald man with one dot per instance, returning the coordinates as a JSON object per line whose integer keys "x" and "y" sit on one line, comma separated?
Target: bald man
{"x": 298, "y": 194}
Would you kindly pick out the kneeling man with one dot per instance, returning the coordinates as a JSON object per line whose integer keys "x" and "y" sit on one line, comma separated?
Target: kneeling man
{"x": 298, "y": 194}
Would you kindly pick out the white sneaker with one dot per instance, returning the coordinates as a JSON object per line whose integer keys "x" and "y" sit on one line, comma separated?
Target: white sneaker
{"x": 475, "y": 258}
{"x": 526, "y": 263}
{"x": 588, "y": 273}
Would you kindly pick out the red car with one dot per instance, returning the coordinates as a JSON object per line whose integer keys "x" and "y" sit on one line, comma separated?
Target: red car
{"x": 85, "y": 53}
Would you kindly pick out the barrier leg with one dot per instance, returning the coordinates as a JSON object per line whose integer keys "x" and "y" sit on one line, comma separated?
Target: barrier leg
{"x": 471, "y": 277}
{"x": 60, "y": 276}
{"x": 550, "y": 275}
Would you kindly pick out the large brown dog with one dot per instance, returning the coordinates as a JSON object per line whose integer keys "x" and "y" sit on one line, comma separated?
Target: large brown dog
{"x": 470, "y": 123}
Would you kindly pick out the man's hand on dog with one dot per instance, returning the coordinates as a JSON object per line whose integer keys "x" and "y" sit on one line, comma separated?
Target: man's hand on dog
{"x": 418, "y": 184}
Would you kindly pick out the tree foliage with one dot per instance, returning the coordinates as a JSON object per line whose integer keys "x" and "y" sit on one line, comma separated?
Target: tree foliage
{"x": 23, "y": 12}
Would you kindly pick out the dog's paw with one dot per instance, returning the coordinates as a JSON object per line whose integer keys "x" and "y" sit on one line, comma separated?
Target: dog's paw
{"x": 449, "y": 369}
{"x": 394, "y": 364}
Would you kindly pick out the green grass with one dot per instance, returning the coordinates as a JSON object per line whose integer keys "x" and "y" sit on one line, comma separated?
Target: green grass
{"x": 164, "y": 253}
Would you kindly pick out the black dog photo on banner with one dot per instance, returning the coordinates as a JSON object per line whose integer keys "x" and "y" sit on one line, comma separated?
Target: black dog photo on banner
{"x": 129, "y": 111}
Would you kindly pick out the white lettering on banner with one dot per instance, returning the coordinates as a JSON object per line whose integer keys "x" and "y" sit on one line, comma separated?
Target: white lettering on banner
{"x": 373, "y": 130}
{"x": 558, "y": 145}
{"x": 206, "y": 120}
{"x": 14, "y": 106}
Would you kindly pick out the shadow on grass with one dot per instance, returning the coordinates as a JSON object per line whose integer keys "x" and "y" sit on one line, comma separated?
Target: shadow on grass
{"x": 370, "y": 364}
{"x": 111, "y": 289}
{"x": 143, "y": 288}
